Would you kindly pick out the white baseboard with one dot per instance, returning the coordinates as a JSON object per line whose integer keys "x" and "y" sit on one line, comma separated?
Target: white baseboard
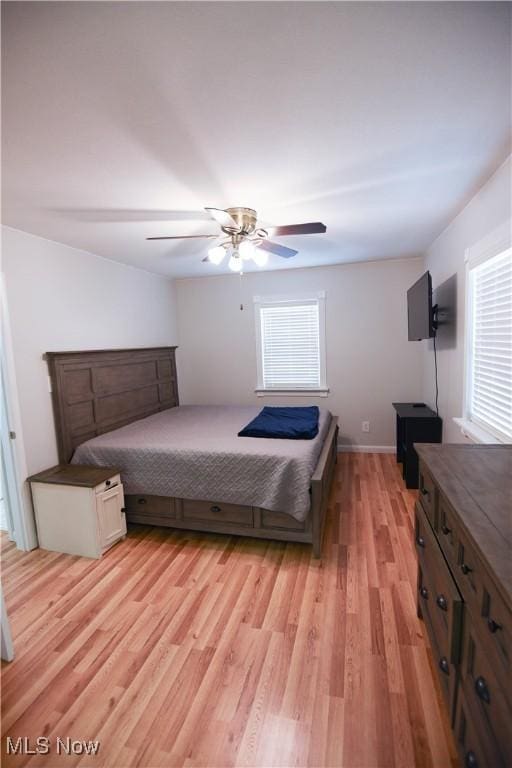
{"x": 344, "y": 448}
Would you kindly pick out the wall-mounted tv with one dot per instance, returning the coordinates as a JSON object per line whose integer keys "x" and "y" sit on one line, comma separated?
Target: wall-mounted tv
{"x": 420, "y": 312}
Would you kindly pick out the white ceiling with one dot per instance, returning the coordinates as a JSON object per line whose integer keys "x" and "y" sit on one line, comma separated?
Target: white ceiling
{"x": 379, "y": 119}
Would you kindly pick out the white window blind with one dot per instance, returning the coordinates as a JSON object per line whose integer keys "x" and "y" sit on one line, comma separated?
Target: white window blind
{"x": 490, "y": 366}
{"x": 291, "y": 343}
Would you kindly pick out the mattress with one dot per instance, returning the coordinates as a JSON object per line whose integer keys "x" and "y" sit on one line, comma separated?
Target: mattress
{"x": 193, "y": 452}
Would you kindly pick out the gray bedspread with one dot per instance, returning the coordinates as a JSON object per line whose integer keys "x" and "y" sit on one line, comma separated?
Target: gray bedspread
{"x": 193, "y": 452}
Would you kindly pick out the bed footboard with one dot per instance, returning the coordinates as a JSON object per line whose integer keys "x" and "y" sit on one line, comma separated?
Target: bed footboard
{"x": 321, "y": 485}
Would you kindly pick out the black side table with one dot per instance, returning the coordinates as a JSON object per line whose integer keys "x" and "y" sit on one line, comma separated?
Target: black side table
{"x": 415, "y": 423}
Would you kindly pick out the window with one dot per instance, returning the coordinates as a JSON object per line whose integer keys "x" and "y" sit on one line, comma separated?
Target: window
{"x": 290, "y": 336}
{"x": 489, "y": 345}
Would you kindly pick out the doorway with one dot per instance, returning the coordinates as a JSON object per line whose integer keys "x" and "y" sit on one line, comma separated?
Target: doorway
{"x": 8, "y": 485}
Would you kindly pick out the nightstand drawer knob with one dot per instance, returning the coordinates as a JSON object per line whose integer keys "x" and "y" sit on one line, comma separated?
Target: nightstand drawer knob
{"x": 420, "y": 541}
{"x": 446, "y": 530}
{"x": 424, "y": 492}
{"x": 471, "y": 761}
{"x": 215, "y": 508}
{"x": 482, "y": 690}
{"x": 107, "y": 483}
{"x": 444, "y": 666}
{"x": 141, "y": 501}
{"x": 465, "y": 569}
{"x": 424, "y": 593}
{"x": 442, "y": 602}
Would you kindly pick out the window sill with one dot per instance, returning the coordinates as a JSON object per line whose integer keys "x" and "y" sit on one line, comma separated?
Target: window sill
{"x": 475, "y": 433}
{"x": 320, "y": 392}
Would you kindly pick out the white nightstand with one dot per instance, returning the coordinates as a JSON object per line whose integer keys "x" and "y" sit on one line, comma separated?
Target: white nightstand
{"x": 78, "y": 509}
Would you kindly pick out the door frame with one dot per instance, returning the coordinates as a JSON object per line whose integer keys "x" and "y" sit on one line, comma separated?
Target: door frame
{"x": 22, "y": 517}
{"x": 6, "y": 646}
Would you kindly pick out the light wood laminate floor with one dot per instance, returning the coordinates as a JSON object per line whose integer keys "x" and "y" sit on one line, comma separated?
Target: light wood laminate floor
{"x": 190, "y": 650}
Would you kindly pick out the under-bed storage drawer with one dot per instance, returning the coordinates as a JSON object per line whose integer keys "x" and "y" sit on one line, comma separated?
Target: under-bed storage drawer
{"x": 217, "y": 512}
{"x": 280, "y": 520}
{"x": 150, "y": 510}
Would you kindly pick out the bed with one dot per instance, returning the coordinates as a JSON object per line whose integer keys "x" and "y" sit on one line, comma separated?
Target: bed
{"x": 184, "y": 466}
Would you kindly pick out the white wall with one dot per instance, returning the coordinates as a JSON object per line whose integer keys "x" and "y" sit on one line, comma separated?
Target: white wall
{"x": 370, "y": 363}
{"x": 488, "y": 209}
{"x": 60, "y": 298}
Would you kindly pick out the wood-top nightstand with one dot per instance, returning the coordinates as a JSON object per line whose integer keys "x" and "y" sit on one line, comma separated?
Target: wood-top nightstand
{"x": 78, "y": 509}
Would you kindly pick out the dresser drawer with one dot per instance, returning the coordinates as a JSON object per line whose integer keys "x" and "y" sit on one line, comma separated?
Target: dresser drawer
{"x": 476, "y": 747}
{"x": 444, "y": 600}
{"x": 447, "y": 533}
{"x": 427, "y": 494}
{"x": 491, "y": 617}
{"x": 488, "y": 693}
{"x": 217, "y": 512}
{"x": 446, "y": 669}
{"x": 469, "y": 574}
{"x": 496, "y": 627}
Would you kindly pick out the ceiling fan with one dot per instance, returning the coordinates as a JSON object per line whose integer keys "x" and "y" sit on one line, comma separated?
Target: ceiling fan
{"x": 244, "y": 240}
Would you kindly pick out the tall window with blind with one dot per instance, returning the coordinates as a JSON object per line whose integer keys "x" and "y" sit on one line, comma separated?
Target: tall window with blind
{"x": 290, "y": 333}
{"x": 489, "y": 347}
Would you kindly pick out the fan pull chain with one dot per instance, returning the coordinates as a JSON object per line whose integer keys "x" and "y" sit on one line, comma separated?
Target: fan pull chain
{"x": 240, "y": 286}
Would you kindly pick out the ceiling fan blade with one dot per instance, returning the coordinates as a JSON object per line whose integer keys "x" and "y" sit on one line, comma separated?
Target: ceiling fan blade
{"x": 223, "y": 218}
{"x": 312, "y": 228}
{"x": 180, "y": 237}
{"x": 278, "y": 250}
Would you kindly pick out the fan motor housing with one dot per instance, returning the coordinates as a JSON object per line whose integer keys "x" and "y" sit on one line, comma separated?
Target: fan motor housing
{"x": 245, "y": 218}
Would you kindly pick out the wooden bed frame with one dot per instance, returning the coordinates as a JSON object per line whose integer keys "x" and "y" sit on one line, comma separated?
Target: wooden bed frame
{"x": 96, "y": 391}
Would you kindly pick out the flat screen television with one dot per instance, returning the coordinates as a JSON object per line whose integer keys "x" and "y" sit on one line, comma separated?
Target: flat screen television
{"x": 420, "y": 312}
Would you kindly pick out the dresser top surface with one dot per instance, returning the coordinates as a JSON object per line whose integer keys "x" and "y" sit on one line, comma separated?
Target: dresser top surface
{"x": 477, "y": 482}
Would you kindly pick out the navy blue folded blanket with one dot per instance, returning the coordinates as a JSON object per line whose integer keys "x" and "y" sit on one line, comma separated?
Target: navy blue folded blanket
{"x": 285, "y": 423}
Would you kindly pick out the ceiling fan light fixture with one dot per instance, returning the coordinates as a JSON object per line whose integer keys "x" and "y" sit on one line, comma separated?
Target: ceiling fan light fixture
{"x": 260, "y": 257}
{"x": 245, "y": 239}
{"x": 246, "y": 250}
{"x": 235, "y": 262}
{"x": 216, "y": 255}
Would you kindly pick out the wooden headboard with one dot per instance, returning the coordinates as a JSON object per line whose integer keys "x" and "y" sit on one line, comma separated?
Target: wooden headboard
{"x": 96, "y": 391}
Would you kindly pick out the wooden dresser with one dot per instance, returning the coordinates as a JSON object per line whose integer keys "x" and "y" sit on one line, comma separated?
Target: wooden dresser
{"x": 463, "y": 535}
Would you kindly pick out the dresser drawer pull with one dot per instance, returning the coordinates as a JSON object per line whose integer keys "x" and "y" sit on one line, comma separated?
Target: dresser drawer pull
{"x": 465, "y": 569}
{"x": 482, "y": 690}
{"x": 420, "y": 541}
{"x": 471, "y": 761}
{"x": 142, "y": 501}
{"x": 425, "y": 493}
{"x": 446, "y": 530}
{"x": 424, "y": 593}
{"x": 442, "y": 602}
{"x": 444, "y": 666}
{"x": 493, "y": 626}
{"x": 215, "y": 509}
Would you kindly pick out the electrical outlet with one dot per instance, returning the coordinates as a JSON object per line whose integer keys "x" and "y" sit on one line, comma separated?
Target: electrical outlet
{"x": 365, "y": 426}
